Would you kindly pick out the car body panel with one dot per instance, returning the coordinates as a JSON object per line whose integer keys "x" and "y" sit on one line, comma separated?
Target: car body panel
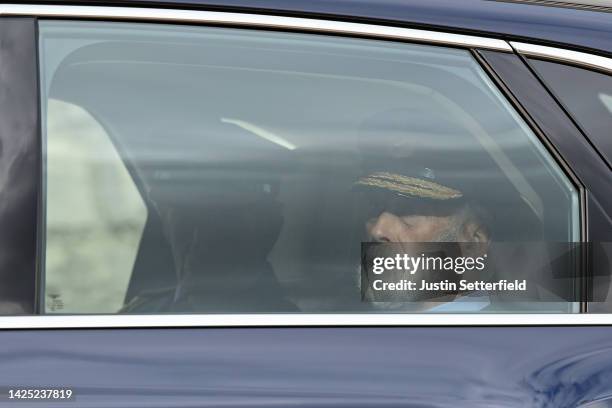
{"x": 315, "y": 367}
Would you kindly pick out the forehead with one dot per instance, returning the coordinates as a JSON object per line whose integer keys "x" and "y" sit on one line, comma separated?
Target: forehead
{"x": 405, "y": 206}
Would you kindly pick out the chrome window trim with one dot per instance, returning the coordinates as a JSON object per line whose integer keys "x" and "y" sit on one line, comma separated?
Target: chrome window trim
{"x": 562, "y": 55}
{"x": 174, "y": 15}
{"x": 298, "y": 320}
{"x": 254, "y": 20}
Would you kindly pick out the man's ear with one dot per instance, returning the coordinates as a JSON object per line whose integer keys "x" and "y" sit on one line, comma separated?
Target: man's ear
{"x": 474, "y": 232}
{"x": 474, "y": 239}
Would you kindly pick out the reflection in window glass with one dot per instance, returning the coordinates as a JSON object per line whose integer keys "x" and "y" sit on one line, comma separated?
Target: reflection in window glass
{"x": 607, "y": 101}
{"x": 95, "y": 215}
{"x": 265, "y": 159}
{"x": 587, "y": 95}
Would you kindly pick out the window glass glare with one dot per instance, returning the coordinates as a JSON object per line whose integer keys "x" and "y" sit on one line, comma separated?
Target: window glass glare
{"x": 607, "y": 101}
{"x": 218, "y": 170}
{"x": 95, "y": 215}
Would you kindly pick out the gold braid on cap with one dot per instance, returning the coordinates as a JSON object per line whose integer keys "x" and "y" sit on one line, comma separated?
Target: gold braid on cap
{"x": 409, "y": 185}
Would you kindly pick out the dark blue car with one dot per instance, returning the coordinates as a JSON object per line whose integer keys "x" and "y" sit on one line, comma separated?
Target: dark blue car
{"x": 308, "y": 203}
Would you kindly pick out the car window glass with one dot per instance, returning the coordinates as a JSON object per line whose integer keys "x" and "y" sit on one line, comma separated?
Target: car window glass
{"x": 95, "y": 215}
{"x": 606, "y": 99}
{"x": 248, "y": 167}
{"x": 587, "y": 95}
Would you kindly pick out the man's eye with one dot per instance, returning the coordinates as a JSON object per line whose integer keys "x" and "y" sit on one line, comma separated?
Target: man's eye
{"x": 408, "y": 221}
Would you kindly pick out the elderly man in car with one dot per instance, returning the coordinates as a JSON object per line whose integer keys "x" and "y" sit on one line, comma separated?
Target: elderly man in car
{"x": 411, "y": 209}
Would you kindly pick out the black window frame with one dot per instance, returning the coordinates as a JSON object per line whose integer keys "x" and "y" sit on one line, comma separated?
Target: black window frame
{"x": 20, "y": 158}
{"x": 546, "y": 117}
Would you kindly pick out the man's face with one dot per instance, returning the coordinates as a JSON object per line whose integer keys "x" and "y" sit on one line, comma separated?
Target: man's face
{"x": 401, "y": 220}
{"x": 389, "y": 227}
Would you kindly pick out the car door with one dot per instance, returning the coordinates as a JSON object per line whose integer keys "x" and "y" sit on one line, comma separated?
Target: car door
{"x": 187, "y": 195}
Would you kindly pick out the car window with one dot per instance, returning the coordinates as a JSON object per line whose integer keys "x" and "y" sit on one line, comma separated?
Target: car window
{"x": 95, "y": 215}
{"x": 587, "y": 95}
{"x": 244, "y": 171}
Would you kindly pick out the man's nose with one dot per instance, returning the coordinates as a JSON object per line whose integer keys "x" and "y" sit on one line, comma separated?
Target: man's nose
{"x": 384, "y": 228}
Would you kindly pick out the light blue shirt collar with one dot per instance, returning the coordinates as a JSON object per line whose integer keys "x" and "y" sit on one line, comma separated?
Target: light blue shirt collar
{"x": 473, "y": 302}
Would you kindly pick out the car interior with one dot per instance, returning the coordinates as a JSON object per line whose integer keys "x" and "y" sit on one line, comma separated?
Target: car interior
{"x": 249, "y": 189}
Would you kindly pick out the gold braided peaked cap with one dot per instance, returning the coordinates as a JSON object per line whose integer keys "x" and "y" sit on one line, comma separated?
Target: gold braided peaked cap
{"x": 406, "y": 185}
